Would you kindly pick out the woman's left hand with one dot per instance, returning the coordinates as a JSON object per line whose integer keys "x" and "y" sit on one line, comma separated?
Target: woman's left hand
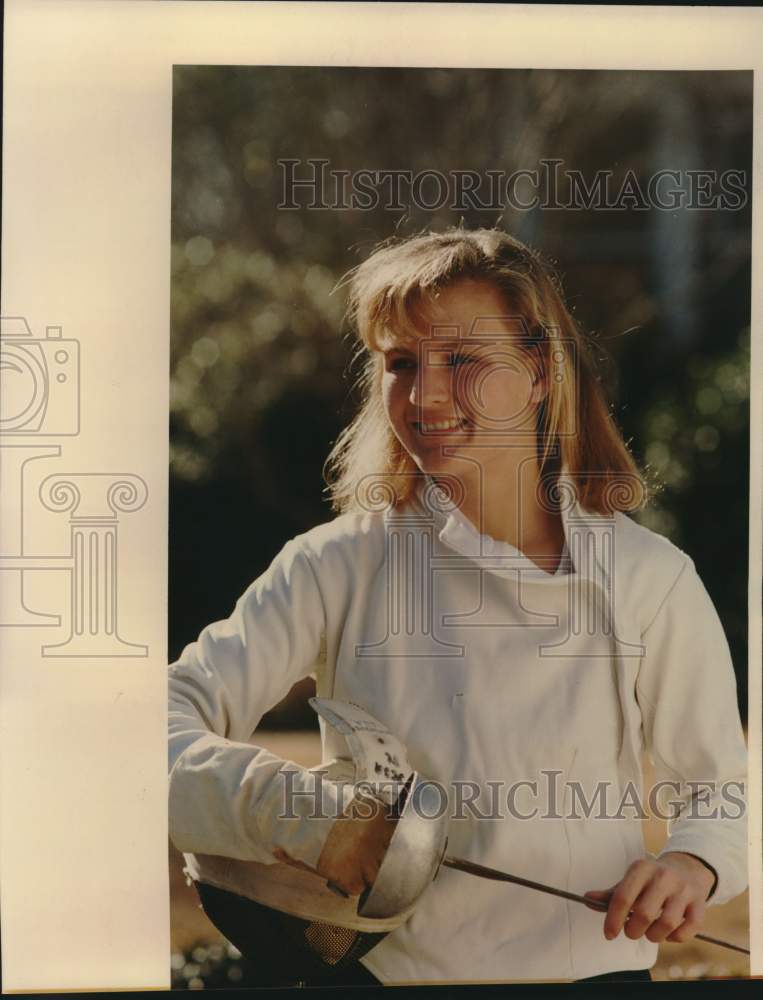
{"x": 664, "y": 899}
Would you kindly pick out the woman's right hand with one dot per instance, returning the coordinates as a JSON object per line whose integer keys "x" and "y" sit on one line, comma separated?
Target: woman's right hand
{"x": 356, "y": 845}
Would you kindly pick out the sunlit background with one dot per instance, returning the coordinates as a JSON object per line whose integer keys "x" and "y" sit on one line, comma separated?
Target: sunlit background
{"x": 261, "y": 384}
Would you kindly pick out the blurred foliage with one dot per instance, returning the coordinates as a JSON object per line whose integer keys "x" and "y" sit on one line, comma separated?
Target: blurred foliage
{"x": 210, "y": 966}
{"x": 697, "y": 434}
{"x": 259, "y": 357}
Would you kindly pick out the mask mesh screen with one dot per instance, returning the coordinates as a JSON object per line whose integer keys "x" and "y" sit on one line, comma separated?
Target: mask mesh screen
{"x": 284, "y": 948}
{"x": 330, "y": 942}
{"x": 335, "y": 944}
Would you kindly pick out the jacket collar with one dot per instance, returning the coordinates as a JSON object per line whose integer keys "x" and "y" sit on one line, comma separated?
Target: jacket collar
{"x": 589, "y": 536}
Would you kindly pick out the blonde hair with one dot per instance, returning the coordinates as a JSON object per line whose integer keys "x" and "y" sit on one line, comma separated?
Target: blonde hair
{"x": 392, "y": 289}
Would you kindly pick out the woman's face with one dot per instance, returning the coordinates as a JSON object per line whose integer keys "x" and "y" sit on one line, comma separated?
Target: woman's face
{"x": 465, "y": 384}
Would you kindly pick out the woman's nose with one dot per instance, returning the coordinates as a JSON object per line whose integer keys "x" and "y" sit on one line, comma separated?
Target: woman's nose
{"x": 432, "y": 386}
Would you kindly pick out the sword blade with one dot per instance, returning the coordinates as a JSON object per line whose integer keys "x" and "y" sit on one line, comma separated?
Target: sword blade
{"x": 482, "y": 871}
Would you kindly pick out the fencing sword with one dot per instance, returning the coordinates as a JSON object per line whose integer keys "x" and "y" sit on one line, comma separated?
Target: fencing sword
{"x": 481, "y": 871}
{"x": 417, "y": 848}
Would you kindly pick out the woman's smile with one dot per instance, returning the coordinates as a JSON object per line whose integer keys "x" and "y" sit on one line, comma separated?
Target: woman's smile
{"x": 442, "y": 425}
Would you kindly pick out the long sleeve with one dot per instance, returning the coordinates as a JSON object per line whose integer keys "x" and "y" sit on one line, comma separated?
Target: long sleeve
{"x": 687, "y": 693}
{"x": 227, "y": 797}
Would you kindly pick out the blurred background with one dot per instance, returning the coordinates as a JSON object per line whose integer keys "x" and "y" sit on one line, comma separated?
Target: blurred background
{"x": 261, "y": 379}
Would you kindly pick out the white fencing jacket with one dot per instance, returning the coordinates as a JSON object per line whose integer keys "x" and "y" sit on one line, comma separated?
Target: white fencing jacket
{"x": 425, "y": 623}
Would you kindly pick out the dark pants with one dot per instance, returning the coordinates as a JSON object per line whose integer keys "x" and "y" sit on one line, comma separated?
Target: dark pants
{"x": 360, "y": 976}
{"x": 240, "y": 921}
{"x": 625, "y": 976}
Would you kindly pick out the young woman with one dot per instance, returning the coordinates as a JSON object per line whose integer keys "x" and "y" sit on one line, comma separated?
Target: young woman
{"x": 484, "y": 594}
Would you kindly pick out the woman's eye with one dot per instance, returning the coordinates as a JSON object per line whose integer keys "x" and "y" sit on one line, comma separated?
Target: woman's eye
{"x": 400, "y": 364}
{"x": 461, "y": 359}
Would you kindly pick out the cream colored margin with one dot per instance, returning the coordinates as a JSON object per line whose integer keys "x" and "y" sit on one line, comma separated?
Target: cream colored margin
{"x": 86, "y": 213}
